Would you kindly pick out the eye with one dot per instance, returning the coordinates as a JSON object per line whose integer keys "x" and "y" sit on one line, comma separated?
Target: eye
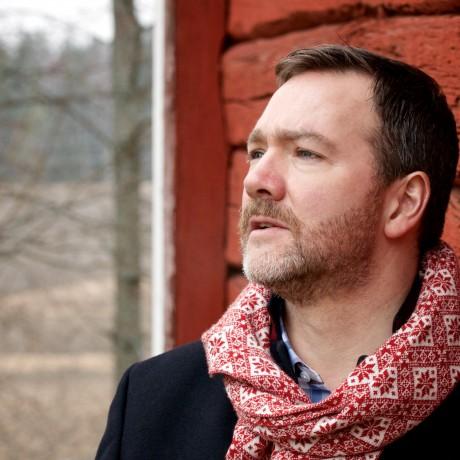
{"x": 255, "y": 154}
{"x": 302, "y": 153}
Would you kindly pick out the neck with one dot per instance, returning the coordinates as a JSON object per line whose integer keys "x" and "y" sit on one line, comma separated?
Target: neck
{"x": 330, "y": 333}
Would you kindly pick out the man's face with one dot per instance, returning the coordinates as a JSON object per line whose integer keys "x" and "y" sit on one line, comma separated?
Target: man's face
{"x": 311, "y": 201}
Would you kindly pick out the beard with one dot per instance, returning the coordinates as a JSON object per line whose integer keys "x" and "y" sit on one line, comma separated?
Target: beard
{"x": 321, "y": 260}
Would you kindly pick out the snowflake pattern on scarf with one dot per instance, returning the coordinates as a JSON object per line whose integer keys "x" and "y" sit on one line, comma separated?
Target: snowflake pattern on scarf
{"x": 386, "y": 395}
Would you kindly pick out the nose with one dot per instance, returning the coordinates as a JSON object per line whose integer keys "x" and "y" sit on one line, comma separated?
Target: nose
{"x": 265, "y": 178}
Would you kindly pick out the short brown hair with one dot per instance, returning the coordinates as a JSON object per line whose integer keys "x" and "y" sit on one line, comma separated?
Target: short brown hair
{"x": 417, "y": 131}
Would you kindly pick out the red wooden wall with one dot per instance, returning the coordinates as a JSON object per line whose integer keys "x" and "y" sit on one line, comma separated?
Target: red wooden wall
{"x": 200, "y": 167}
{"x": 221, "y": 90}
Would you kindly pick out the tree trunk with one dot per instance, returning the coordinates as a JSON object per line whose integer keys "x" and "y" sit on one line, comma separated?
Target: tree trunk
{"x": 127, "y": 55}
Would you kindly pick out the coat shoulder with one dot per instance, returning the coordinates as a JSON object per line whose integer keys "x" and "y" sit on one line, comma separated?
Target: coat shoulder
{"x": 171, "y": 406}
{"x": 177, "y": 365}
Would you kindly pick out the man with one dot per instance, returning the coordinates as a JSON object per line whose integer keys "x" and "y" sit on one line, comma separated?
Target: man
{"x": 346, "y": 343}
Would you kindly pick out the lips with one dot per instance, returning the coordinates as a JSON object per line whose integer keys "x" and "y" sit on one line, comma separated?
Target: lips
{"x": 263, "y": 223}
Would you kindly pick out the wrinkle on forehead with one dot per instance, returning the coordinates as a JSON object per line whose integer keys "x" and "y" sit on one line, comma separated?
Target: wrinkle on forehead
{"x": 333, "y": 105}
{"x": 259, "y": 137}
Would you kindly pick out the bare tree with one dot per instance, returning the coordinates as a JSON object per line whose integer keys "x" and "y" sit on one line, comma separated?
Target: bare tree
{"x": 128, "y": 128}
{"x": 59, "y": 155}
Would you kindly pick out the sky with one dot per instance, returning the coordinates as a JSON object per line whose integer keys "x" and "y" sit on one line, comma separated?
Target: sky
{"x": 86, "y": 19}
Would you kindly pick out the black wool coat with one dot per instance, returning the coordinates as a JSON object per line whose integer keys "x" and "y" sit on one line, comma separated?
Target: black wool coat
{"x": 168, "y": 408}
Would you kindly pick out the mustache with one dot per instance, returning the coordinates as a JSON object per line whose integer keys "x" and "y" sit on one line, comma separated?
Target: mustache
{"x": 267, "y": 208}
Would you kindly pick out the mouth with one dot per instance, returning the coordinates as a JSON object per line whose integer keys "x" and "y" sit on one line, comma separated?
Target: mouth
{"x": 264, "y": 223}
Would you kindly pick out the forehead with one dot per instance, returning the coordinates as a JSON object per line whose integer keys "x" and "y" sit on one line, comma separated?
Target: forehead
{"x": 336, "y": 105}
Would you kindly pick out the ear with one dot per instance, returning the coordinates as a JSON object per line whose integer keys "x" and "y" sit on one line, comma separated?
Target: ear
{"x": 406, "y": 202}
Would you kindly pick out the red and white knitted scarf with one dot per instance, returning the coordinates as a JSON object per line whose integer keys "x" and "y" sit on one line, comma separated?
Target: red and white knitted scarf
{"x": 386, "y": 395}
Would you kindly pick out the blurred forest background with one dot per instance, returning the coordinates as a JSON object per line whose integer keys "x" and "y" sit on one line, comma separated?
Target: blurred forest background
{"x": 75, "y": 153}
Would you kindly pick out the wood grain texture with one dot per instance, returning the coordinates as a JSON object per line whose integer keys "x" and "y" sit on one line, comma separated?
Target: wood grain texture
{"x": 201, "y": 166}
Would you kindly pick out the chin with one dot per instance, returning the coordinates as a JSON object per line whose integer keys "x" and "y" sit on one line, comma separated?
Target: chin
{"x": 268, "y": 267}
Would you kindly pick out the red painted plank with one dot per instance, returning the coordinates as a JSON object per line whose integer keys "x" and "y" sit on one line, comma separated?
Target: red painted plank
{"x": 200, "y": 168}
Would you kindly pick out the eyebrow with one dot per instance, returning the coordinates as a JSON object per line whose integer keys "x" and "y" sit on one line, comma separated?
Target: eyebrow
{"x": 257, "y": 136}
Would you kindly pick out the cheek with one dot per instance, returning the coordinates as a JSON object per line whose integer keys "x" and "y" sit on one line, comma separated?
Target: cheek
{"x": 308, "y": 200}
{"x": 314, "y": 204}
{"x": 328, "y": 193}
